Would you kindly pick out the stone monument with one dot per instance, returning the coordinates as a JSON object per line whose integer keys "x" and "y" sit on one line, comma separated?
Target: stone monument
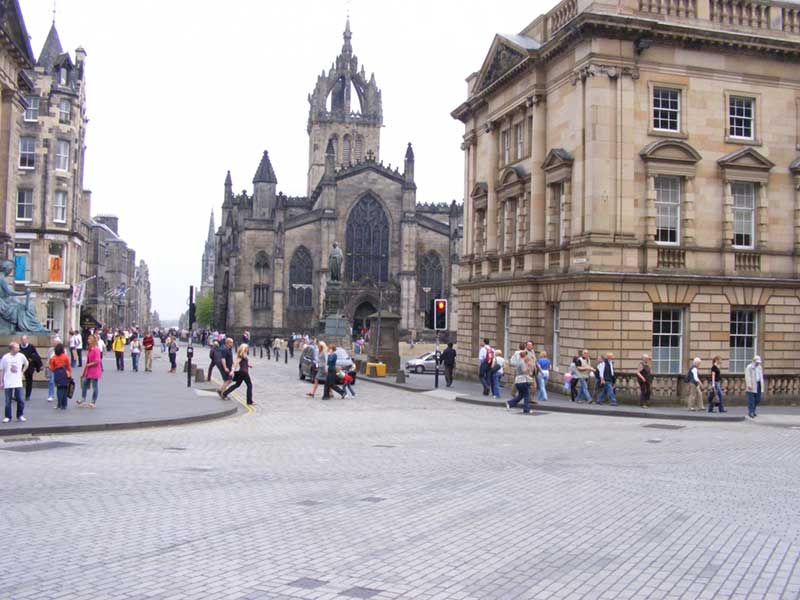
{"x": 385, "y": 341}
{"x": 336, "y": 327}
{"x": 16, "y": 317}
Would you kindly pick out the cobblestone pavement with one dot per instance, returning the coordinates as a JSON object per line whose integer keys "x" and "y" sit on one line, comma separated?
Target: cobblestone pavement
{"x": 402, "y": 495}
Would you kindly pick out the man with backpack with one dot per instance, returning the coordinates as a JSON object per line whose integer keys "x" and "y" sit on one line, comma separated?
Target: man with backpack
{"x": 486, "y": 361}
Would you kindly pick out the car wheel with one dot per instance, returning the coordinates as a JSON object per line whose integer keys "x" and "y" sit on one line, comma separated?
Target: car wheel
{"x": 302, "y": 377}
{"x": 419, "y": 369}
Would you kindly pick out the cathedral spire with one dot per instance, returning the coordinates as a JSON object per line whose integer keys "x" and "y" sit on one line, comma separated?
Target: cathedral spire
{"x": 210, "y": 239}
{"x": 347, "y": 48}
{"x": 265, "y": 172}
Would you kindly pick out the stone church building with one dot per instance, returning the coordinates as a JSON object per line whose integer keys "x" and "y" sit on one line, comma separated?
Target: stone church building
{"x": 271, "y": 250}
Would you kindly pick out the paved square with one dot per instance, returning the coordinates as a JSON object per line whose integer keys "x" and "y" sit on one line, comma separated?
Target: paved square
{"x": 404, "y": 495}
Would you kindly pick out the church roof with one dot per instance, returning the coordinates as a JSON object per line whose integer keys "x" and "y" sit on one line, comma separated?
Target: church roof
{"x": 51, "y": 51}
{"x": 265, "y": 172}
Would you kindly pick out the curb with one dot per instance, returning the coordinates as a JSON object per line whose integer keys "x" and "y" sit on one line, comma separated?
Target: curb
{"x": 635, "y": 414}
{"x": 392, "y": 384}
{"x": 95, "y": 427}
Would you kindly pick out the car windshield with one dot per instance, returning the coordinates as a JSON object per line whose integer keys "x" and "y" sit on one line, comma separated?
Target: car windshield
{"x": 425, "y": 356}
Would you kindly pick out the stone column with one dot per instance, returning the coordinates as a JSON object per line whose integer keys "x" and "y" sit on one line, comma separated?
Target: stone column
{"x": 727, "y": 215}
{"x": 536, "y": 216}
{"x": 762, "y": 214}
{"x": 599, "y": 203}
{"x": 567, "y": 209}
{"x": 466, "y": 240}
{"x": 797, "y": 222}
{"x": 278, "y": 295}
{"x": 688, "y": 221}
{"x": 650, "y": 212}
{"x": 9, "y": 159}
{"x": 491, "y": 181}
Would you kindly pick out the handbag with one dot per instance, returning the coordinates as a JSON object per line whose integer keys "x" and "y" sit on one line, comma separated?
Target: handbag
{"x": 70, "y": 387}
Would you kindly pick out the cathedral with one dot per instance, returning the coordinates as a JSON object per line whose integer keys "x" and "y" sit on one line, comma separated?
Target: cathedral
{"x": 270, "y": 255}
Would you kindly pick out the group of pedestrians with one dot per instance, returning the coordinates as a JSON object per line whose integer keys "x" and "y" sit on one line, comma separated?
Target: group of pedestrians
{"x": 233, "y": 368}
{"x": 531, "y": 371}
{"x": 325, "y": 370}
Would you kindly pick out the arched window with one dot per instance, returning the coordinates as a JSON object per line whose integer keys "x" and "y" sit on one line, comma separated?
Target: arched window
{"x": 346, "y": 149}
{"x": 367, "y": 242}
{"x": 261, "y": 267}
{"x": 301, "y": 270}
{"x": 430, "y": 275}
{"x": 359, "y": 147}
{"x": 335, "y": 142}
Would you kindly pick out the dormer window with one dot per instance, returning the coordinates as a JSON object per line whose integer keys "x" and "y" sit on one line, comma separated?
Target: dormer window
{"x": 63, "y": 76}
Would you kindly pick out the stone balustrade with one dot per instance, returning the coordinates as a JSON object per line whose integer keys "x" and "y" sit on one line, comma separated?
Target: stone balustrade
{"x": 671, "y": 258}
{"x": 676, "y": 8}
{"x": 748, "y": 261}
{"x": 562, "y": 14}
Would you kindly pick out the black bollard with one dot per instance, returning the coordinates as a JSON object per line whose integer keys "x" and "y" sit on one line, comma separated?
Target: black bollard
{"x": 286, "y": 356}
{"x": 262, "y": 351}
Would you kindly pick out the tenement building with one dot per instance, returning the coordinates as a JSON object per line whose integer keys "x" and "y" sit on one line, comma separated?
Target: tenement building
{"x": 272, "y": 249}
{"x": 16, "y": 58}
{"x": 52, "y": 209}
{"x": 632, "y": 184}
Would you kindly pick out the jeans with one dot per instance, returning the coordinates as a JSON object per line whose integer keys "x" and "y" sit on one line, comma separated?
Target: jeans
{"x": 79, "y": 352}
{"x": 135, "y": 360}
{"x": 173, "y": 361}
{"x": 496, "y": 383}
{"x": 524, "y": 394}
{"x": 607, "y": 393}
{"x": 14, "y": 394}
{"x": 72, "y": 361}
{"x": 120, "y": 360}
{"x": 61, "y": 394}
{"x": 485, "y": 374}
{"x": 95, "y": 383}
{"x": 583, "y": 390}
{"x": 753, "y": 400}
{"x": 716, "y": 392}
{"x": 541, "y": 395}
{"x": 51, "y": 387}
{"x": 163, "y": 347}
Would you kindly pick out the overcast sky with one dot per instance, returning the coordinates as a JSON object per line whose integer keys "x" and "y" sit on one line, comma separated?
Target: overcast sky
{"x": 180, "y": 91}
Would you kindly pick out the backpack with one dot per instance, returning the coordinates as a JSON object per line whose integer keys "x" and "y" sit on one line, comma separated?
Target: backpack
{"x": 688, "y": 378}
{"x": 489, "y": 358}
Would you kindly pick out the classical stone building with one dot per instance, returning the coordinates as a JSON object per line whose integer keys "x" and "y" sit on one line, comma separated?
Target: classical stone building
{"x": 51, "y": 207}
{"x": 209, "y": 261}
{"x": 118, "y": 293}
{"x": 632, "y": 177}
{"x": 16, "y": 59}
{"x": 272, "y": 250}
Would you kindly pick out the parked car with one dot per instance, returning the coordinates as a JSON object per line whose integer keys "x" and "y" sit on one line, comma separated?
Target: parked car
{"x": 306, "y": 367}
{"x": 426, "y": 362}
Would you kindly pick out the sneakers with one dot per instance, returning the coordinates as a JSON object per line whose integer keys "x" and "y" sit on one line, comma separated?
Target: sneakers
{"x": 508, "y": 406}
{"x": 23, "y": 419}
{"x": 6, "y": 420}
{"x": 51, "y": 399}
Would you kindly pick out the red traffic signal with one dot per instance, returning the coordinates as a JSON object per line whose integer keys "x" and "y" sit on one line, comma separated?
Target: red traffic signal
{"x": 440, "y": 316}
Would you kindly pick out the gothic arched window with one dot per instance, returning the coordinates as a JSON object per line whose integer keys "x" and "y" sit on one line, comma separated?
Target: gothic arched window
{"x": 261, "y": 267}
{"x": 301, "y": 270}
{"x": 335, "y": 143}
{"x": 367, "y": 242}
{"x": 359, "y": 151}
{"x": 430, "y": 275}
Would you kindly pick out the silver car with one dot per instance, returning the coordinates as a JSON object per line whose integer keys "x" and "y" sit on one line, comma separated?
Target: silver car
{"x": 426, "y": 362}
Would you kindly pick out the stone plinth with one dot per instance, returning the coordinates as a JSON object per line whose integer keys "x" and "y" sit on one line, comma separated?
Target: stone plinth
{"x": 389, "y": 333}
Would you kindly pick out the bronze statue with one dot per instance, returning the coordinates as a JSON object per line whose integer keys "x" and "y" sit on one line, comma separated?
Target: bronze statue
{"x": 16, "y": 317}
{"x": 335, "y": 260}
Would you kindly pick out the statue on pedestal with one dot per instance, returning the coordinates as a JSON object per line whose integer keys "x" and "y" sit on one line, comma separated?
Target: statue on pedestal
{"x": 16, "y": 317}
{"x": 335, "y": 261}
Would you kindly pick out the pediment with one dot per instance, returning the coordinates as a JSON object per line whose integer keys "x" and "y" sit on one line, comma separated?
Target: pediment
{"x": 511, "y": 175}
{"x": 479, "y": 189}
{"x": 670, "y": 151}
{"x": 746, "y": 158}
{"x": 502, "y": 57}
{"x": 557, "y": 157}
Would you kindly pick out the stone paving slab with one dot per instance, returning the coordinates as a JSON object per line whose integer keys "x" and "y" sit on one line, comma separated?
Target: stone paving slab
{"x": 127, "y": 400}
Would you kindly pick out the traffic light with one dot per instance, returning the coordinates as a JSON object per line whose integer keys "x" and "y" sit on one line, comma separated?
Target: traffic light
{"x": 440, "y": 314}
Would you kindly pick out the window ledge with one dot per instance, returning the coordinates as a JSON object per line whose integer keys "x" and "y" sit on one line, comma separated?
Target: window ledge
{"x": 27, "y": 168}
{"x": 729, "y": 139}
{"x": 24, "y": 220}
{"x": 666, "y": 133}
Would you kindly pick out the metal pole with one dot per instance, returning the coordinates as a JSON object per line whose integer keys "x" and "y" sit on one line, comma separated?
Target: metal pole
{"x": 436, "y": 362}
{"x": 188, "y": 354}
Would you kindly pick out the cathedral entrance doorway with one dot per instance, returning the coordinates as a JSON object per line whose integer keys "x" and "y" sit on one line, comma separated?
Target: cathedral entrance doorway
{"x": 360, "y": 320}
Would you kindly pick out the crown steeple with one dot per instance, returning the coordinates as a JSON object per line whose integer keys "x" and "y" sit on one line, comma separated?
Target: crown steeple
{"x": 265, "y": 173}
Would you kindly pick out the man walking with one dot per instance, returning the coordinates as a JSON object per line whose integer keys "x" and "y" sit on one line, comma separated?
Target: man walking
{"x": 584, "y": 366}
{"x": 34, "y": 364}
{"x": 226, "y": 366}
{"x": 754, "y": 382}
{"x": 607, "y": 379}
{"x": 13, "y": 365}
{"x": 148, "y": 343}
{"x": 448, "y": 359}
{"x": 695, "y": 386}
{"x": 486, "y": 360}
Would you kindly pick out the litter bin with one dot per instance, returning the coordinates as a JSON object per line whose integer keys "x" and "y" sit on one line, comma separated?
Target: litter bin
{"x": 376, "y": 369}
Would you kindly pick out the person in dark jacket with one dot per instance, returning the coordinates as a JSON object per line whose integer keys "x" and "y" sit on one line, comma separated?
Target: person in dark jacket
{"x": 34, "y": 364}
{"x": 448, "y": 360}
{"x": 330, "y": 380}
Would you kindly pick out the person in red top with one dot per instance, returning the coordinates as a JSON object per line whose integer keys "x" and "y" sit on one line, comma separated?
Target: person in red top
{"x": 61, "y": 368}
{"x": 148, "y": 343}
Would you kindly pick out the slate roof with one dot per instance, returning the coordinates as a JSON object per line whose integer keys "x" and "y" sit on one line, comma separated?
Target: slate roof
{"x": 265, "y": 173}
{"x": 51, "y": 51}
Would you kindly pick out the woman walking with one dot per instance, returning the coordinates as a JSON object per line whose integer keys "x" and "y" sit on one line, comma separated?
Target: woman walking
{"x": 136, "y": 350}
{"x": 242, "y": 374}
{"x": 92, "y": 372}
{"x": 320, "y": 367}
{"x": 172, "y": 351}
{"x": 525, "y": 366}
{"x": 716, "y": 386}
{"x": 645, "y": 377}
{"x": 61, "y": 368}
{"x": 542, "y": 375}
